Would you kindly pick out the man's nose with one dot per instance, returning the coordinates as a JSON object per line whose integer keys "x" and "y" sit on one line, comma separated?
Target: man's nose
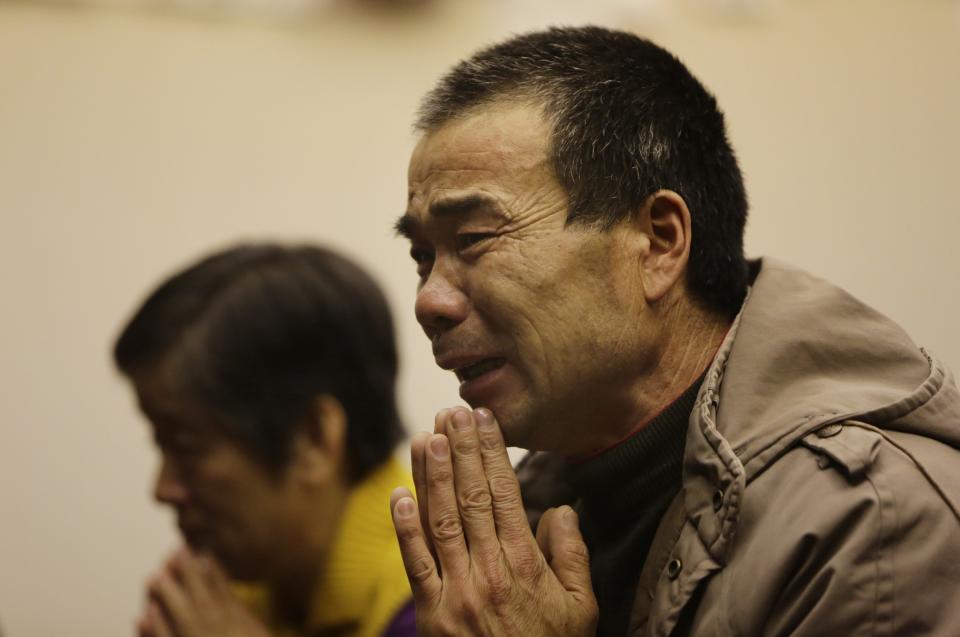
{"x": 168, "y": 487}
{"x": 441, "y": 303}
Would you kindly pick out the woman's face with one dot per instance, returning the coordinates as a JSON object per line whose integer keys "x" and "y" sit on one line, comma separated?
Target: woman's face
{"x": 254, "y": 521}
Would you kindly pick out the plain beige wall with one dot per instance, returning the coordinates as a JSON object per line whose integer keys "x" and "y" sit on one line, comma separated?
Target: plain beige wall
{"x": 130, "y": 143}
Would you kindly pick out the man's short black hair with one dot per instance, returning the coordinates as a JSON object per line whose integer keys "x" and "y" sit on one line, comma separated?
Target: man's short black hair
{"x": 628, "y": 119}
{"x": 259, "y": 331}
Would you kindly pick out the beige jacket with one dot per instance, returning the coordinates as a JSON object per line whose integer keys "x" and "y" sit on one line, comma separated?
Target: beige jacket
{"x": 821, "y": 480}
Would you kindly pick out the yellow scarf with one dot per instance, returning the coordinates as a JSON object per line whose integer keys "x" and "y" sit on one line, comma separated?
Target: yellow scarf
{"x": 364, "y": 585}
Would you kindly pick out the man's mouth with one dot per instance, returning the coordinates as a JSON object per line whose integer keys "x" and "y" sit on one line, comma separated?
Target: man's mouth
{"x": 475, "y": 370}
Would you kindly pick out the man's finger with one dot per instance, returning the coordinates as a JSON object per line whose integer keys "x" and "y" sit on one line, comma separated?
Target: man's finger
{"x": 473, "y": 491}
{"x": 566, "y": 552}
{"x": 513, "y": 528}
{"x": 543, "y": 532}
{"x": 445, "y": 524}
{"x": 441, "y": 419}
{"x": 417, "y": 559}
{"x": 418, "y": 466}
{"x": 175, "y": 605}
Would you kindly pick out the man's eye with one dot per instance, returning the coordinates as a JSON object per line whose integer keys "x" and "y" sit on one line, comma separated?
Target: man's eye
{"x": 423, "y": 259}
{"x": 469, "y": 239}
{"x": 420, "y": 256}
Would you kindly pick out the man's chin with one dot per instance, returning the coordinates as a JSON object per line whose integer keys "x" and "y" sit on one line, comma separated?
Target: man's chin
{"x": 516, "y": 425}
{"x": 524, "y": 432}
{"x": 512, "y": 427}
{"x": 511, "y": 439}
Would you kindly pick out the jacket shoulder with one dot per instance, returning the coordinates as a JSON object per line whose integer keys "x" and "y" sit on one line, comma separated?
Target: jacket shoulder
{"x": 843, "y": 534}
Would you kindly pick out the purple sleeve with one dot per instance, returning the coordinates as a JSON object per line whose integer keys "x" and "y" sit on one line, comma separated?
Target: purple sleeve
{"x": 403, "y": 623}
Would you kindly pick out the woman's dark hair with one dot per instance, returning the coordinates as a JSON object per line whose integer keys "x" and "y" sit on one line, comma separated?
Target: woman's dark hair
{"x": 259, "y": 331}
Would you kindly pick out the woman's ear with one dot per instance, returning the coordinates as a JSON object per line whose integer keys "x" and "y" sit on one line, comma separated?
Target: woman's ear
{"x": 319, "y": 447}
{"x": 665, "y": 219}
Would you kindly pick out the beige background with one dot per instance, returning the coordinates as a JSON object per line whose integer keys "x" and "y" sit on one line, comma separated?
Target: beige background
{"x": 131, "y": 142}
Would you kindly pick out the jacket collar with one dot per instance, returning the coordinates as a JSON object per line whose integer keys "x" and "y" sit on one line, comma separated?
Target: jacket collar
{"x": 805, "y": 353}
{"x": 802, "y": 354}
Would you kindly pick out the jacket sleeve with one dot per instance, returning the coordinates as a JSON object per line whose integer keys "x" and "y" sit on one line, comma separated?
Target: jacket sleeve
{"x": 846, "y": 536}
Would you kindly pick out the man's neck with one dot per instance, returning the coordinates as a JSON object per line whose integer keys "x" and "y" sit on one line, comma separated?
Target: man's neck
{"x": 691, "y": 345}
{"x": 688, "y": 344}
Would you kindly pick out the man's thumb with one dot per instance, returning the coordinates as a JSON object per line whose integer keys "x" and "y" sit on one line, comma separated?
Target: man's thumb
{"x": 568, "y": 554}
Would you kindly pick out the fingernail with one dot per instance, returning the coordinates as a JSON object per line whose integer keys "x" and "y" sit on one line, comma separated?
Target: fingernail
{"x": 405, "y": 507}
{"x": 438, "y": 445}
{"x": 484, "y": 418}
{"x": 461, "y": 420}
{"x": 440, "y": 421}
{"x": 570, "y": 518}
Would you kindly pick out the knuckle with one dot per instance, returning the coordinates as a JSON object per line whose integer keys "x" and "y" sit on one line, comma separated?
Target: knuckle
{"x": 470, "y": 610}
{"x": 440, "y": 477}
{"x": 578, "y": 551}
{"x": 498, "y": 589}
{"x": 466, "y": 446}
{"x": 504, "y": 490}
{"x": 490, "y": 446}
{"x": 593, "y": 608}
{"x": 529, "y": 566}
{"x": 589, "y": 616}
{"x": 493, "y": 450}
{"x": 476, "y": 499}
{"x": 420, "y": 569}
{"x": 447, "y": 528}
{"x": 407, "y": 533}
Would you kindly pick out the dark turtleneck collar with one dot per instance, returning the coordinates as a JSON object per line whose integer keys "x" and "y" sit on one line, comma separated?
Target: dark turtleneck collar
{"x": 628, "y": 478}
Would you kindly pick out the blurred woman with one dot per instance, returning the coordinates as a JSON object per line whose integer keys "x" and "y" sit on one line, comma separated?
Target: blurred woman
{"x": 267, "y": 375}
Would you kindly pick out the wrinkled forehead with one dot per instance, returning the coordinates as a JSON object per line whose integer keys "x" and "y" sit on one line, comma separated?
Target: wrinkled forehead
{"x": 496, "y": 134}
{"x": 501, "y": 149}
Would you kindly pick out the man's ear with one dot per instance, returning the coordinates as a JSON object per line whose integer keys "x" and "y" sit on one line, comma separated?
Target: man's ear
{"x": 665, "y": 219}
{"x": 319, "y": 447}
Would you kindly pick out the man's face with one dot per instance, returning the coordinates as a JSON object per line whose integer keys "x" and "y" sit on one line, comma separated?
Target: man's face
{"x": 225, "y": 500}
{"x": 538, "y": 320}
